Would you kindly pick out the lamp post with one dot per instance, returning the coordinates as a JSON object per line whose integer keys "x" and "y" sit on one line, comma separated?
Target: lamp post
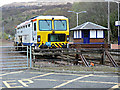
{"x": 108, "y": 20}
{"x": 118, "y": 25}
{"x": 77, "y": 13}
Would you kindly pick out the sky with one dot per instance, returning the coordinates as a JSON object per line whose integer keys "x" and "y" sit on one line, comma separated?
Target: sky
{"x": 3, "y": 2}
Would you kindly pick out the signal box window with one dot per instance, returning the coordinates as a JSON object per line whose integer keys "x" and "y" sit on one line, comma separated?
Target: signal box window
{"x": 45, "y": 25}
{"x": 56, "y": 37}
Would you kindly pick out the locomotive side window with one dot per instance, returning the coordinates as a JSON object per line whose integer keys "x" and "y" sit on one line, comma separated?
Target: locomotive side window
{"x": 34, "y": 26}
{"x": 28, "y": 25}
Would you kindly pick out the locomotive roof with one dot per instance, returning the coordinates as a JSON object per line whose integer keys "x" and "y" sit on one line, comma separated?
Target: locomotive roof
{"x": 50, "y": 17}
{"x": 41, "y": 17}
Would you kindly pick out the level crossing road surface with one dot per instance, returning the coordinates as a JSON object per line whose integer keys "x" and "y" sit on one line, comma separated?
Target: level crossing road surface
{"x": 37, "y": 79}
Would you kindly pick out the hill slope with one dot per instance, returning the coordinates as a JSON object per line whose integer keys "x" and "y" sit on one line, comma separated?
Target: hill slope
{"x": 12, "y": 15}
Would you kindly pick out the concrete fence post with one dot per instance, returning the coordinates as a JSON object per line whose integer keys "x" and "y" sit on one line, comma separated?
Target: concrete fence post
{"x": 30, "y": 57}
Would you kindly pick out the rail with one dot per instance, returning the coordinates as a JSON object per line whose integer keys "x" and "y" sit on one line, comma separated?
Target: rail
{"x": 111, "y": 59}
{"x": 84, "y": 60}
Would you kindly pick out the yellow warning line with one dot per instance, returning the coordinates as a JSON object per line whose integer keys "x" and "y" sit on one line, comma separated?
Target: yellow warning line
{"x": 55, "y": 45}
{"x": 60, "y": 45}
{"x": 63, "y": 84}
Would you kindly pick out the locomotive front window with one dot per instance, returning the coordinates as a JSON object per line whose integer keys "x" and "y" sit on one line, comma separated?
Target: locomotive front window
{"x": 45, "y": 25}
{"x": 56, "y": 37}
{"x": 60, "y": 25}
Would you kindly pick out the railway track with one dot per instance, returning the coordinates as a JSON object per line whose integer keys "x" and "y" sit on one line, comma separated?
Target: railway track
{"x": 73, "y": 56}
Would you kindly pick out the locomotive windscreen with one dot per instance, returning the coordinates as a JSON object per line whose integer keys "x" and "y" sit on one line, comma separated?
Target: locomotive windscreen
{"x": 56, "y": 37}
{"x": 60, "y": 25}
{"x": 45, "y": 25}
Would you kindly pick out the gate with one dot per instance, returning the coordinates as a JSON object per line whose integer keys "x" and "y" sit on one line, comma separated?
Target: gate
{"x": 12, "y": 59}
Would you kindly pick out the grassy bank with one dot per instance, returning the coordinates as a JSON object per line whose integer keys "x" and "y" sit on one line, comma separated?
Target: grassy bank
{"x": 82, "y": 68}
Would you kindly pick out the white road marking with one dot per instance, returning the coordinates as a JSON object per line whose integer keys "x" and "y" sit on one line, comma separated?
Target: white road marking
{"x": 10, "y": 82}
{"x": 25, "y": 84}
{"x": 104, "y": 76}
{"x": 46, "y": 79}
{"x": 99, "y": 82}
{"x": 36, "y": 72}
{"x": 69, "y": 74}
{"x": 8, "y": 85}
{"x": 10, "y": 73}
{"x": 77, "y": 81}
{"x": 63, "y": 84}
{"x": 41, "y": 75}
{"x": 115, "y": 86}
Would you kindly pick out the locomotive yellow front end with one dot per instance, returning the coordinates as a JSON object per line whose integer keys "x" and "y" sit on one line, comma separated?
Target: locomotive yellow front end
{"x": 52, "y": 32}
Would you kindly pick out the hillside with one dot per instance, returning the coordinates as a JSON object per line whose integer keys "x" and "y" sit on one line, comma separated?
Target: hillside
{"x": 16, "y": 13}
{"x": 13, "y": 16}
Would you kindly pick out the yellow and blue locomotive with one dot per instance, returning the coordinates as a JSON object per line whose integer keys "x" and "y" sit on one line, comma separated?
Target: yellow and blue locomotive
{"x": 43, "y": 32}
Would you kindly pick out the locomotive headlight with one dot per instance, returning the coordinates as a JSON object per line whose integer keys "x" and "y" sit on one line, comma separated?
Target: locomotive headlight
{"x": 38, "y": 38}
{"x": 67, "y": 37}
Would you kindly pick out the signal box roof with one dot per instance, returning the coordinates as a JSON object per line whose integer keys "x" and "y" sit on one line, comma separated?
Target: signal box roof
{"x": 89, "y": 26}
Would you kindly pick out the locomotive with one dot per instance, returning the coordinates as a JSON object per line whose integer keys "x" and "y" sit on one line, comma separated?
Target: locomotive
{"x": 43, "y": 32}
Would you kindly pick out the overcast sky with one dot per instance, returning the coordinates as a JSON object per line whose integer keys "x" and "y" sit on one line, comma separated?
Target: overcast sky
{"x": 3, "y": 2}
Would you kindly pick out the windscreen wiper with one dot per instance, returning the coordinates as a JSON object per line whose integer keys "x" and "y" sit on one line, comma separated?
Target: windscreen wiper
{"x": 62, "y": 22}
{"x": 47, "y": 22}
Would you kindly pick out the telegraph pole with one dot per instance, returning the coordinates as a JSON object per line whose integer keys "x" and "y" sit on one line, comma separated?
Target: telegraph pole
{"x": 118, "y": 26}
{"x": 108, "y": 22}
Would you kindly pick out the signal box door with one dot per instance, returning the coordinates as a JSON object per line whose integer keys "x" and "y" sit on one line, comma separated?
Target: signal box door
{"x": 86, "y": 36}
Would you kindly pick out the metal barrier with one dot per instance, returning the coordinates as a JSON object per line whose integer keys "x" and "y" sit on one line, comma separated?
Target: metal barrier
{"x": 12, "y": 59}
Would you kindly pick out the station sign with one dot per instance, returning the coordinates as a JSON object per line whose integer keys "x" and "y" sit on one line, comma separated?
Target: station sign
{"x": 117, "y": 23}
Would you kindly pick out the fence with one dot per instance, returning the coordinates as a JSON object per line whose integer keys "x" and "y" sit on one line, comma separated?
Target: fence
{"x": 12, "y": 59}
{"x": 47, "y": 58}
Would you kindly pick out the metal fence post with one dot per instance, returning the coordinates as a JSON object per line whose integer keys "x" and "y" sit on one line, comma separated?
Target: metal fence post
{"x": 30, "y": 57}
{"x": 27, "y": 56}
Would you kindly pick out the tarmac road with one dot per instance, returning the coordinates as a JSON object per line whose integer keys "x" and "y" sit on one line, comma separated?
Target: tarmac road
{"x": 37, "y": 79}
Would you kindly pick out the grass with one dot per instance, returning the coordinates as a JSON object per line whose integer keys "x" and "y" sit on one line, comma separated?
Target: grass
{"x": 82, "y": 68}
{"x": 0, "y": 42}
